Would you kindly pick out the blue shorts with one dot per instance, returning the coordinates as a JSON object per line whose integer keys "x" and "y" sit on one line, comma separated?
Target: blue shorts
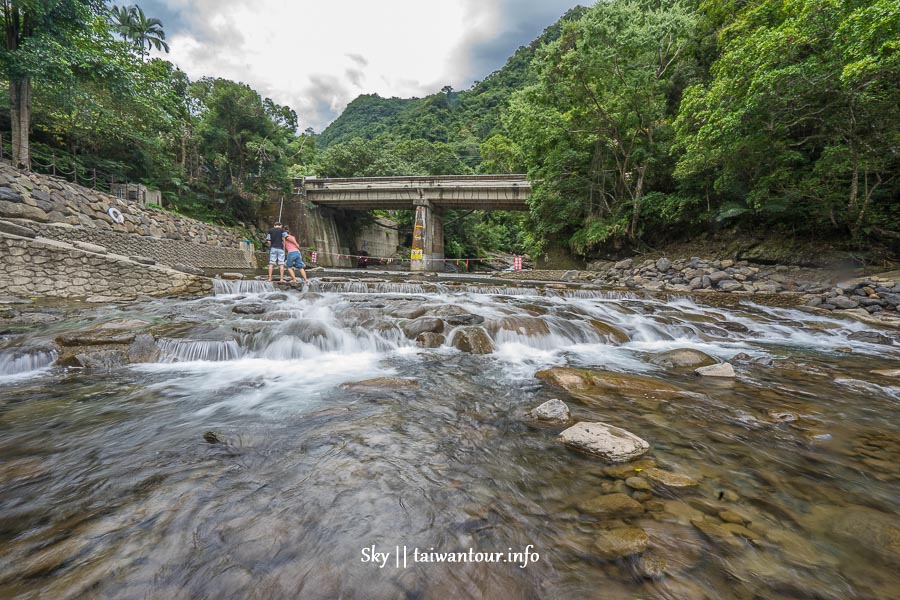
{"x": 276, "y": 256}
{"x": 294, "y": 260}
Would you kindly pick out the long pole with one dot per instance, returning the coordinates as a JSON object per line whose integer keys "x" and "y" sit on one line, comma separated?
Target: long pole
{"x": 281, "y": 208}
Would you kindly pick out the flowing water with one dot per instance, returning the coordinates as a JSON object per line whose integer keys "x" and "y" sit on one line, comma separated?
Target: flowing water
{"x": 238, "y": 465}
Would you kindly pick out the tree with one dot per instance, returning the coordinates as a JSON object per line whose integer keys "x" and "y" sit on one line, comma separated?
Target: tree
{"x": 596, "y": 127}
{"x": 800, "y": 124}
{"x": 132, "y": 24}
{"x": 37, "y": 36}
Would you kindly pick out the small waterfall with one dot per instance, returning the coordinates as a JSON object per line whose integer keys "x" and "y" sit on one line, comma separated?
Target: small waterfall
{"x": 241, "y": 286}
{"x": 23, "y": 360}
{"x": 360, "y": 287}
{"x": 499, "y": 291}
{"x": 176, "y": 350}
{"x": 590, "y": 294}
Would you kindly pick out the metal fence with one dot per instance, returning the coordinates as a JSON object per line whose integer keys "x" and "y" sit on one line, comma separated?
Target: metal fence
{"x": 63, "y": 167}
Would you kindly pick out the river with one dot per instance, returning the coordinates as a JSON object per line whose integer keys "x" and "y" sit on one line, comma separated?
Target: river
{"x": 239, "y": 464}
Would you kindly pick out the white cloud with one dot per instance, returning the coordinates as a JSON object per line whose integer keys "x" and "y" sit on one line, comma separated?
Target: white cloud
{"x": 317, "y": 56}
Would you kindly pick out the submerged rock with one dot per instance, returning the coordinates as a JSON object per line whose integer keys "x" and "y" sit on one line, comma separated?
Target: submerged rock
{"x": 620, "y": 542}
{"x": 869, "y": 531}
{"x": 382, "y": 383}
{"x": 473, "y": 339}
{"x": 870, "y": 337}
{"x": 668, "y": 479}
{"x": 717, "y": 370}
{"x": 553, "y": 411}
{"x": 612, "y": 506}
{"x": 595, "y": 384}
{"x": 606, "y": 441}
{"x": 249, "y": 308}
{"x": 682, "y": 357}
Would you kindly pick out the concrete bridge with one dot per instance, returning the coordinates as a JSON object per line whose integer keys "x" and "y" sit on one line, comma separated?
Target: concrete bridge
{"x": 429, "y": 196}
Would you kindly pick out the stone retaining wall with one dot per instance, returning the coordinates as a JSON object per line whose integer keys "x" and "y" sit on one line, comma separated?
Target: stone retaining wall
{"x": 164, "y": 251}
{"x": 43, "y": 200}
{"x": 42, "y": 267}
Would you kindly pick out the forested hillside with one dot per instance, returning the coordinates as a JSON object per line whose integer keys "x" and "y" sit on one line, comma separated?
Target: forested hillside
{"x": 645, "y": 121}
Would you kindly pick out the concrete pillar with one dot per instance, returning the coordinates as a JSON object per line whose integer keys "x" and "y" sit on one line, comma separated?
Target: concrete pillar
{"x": 433, "y": 239}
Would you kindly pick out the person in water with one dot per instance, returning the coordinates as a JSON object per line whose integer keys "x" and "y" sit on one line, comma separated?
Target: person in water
{"x": 275, "y": 239}
{"x": 294, "y": 258}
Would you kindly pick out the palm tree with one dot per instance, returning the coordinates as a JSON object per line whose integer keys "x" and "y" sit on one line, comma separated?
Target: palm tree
{"x": 148, "y": 32}
{"x": 122, "y": 18}
{"x": 132, "y": 24}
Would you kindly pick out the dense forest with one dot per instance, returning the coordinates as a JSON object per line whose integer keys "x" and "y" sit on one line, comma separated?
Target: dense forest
{"x": 638, "y": 122}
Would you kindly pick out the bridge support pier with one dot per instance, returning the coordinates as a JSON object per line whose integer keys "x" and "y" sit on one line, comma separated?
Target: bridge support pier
{"x": 430, "y": 239}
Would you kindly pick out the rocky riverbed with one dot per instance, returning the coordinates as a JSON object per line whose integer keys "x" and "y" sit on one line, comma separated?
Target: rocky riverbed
{"x": 252, "y": 443}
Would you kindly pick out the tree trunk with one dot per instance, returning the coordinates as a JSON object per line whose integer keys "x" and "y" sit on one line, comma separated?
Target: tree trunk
{"x": 854, "y": 185}
{"x": 20, "y": 117}
{"x": 638, "y": 194}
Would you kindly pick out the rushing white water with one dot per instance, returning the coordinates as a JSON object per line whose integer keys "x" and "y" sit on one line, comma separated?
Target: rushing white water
{"x": 19, "y": 363}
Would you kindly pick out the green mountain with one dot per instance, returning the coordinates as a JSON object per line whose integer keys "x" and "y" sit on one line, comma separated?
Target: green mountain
{"x": 462, "y": 119}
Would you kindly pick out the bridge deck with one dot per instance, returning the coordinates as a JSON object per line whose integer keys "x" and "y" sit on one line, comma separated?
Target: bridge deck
{"x": 476, "y": 192}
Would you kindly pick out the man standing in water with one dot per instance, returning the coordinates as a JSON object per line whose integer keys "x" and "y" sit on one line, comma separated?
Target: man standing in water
{"x": 275, "y": 239}
{"x": 294, "y": 258}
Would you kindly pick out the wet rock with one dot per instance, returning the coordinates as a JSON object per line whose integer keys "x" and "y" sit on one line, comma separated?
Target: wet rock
{"x": 606, "y": 441}
{"x": 100, "y": 359}
{"x": 620, "y": 542}
{"x": 430, "y": 339}
{"x": 467, "y": 319}
{"x": 682, "y": 357}
{"x": 886, "y": 372}
{"x": 413, "y": 328}
{"x": 382, "y": 383}
{"x": 631, "y": 469}
{"x": 277, "y": 297}
{"x": 781, "y": 416}
{"x": 869, "y": 531}
{"x": 718, "y": 534}
{"x": 553, "y": 411}
{"x": 526, "y": 326}
{"x": 730, "y": 516}
{"x": 612, "y": 506}
{"x": 668, "y": 479}
{"x": 143, "y": 349}
{"x": 249, "y": 308}
{"x": 473, "y": 339}
{"x": 588, "y": 384}
{"x": 717, "y": 370}
{"x": 870, "y": 337}
{"x": 650, "y": 566}
{"x": 638, "y": 483}
{"x": 213, "y": 437}
{"x": 610, "y": 331}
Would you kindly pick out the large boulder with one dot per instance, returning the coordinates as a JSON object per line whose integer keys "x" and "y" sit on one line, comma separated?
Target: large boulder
{"x": 20, "y": 210}
{"x": 606, "y": 441}
{"x": 413, "y": 328}
{"x": 611, "y": 332}
{"x": 599, "y": 385}
{"x": 473, "y": 339}
{"x": 871, "y": 337}
{"x": 682, "y": 358}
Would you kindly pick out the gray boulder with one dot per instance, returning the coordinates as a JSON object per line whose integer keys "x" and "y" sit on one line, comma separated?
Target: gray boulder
{"x": 553, "y": 411}
{"x": 606, "y": 441}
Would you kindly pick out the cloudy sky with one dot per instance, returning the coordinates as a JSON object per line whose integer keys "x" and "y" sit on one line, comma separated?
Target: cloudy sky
{"x": 318, "y": 56}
